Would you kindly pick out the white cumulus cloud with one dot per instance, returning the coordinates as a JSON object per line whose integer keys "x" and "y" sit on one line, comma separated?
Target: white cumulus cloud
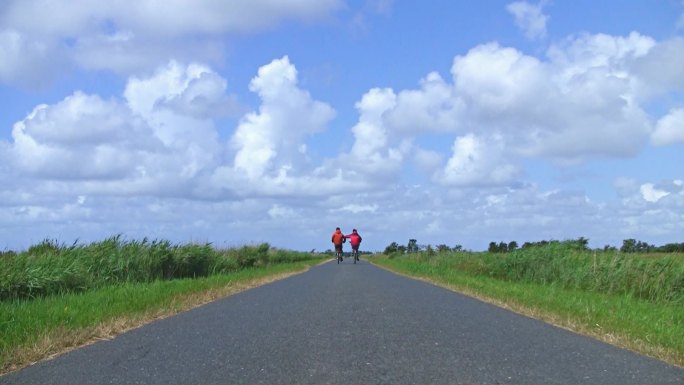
{"x": 477, "y": 162}
{"x": 669, "y": 129}
{"x": 268, "y": 142}
{"x": 81, "y": 137}
{"x": 582, "y": 102}
{"x": 156, "y": 139}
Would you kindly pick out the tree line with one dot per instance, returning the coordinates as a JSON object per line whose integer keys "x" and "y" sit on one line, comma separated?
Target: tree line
{"x": 628, "y": 246}
{"x": 414, "y": 247}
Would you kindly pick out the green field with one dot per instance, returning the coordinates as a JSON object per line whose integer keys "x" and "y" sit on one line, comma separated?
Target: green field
{"x": 628, "y": 299}
{"x": 54, "y": 298}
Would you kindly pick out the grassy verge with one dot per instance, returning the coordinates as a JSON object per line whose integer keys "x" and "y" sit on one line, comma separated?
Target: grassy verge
{"x": 652, "y": 328}
{"x": 33, "y": 329}
{"x": 49, "y": 268}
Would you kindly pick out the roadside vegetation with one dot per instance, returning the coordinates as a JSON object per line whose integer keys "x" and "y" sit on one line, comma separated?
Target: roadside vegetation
{"x": 55, "y": 297}
{"x": 623, "y": 296}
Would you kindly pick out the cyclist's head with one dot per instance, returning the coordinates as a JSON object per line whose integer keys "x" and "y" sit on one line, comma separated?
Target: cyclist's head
{"x": 353, "y": 231}
{"x": 337, "y": 228}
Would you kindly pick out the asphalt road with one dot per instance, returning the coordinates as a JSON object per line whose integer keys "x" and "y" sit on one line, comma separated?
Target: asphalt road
{"x": 349, "y": 324}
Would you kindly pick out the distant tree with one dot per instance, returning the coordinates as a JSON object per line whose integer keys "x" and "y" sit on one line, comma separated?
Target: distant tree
{"x": 512, "y": 245}
{"x": 628, "y": 246}
{"x": 391, "y": 248}
{"x": 609, "y": 248}
{"x": 503, "y": 247}
{"x": 429, "y": 250}
{"x": 412, "y": 246}
{"x": 457, "y": 248}
{"x": 643, "y": 247}
{"x": 576, "y": 244}
{"x": 671, "y": 248}
{"x": 8, "y": 254}
{"x": 633, "y": 246}
{"x": 583, "y": 243}
{"x": 500, "y": 247}
{"x": 443, "y": 248}
{"x": 401, "y": 249}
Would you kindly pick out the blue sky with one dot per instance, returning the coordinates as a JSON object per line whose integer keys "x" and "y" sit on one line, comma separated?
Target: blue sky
{"x": 236, "y": 122}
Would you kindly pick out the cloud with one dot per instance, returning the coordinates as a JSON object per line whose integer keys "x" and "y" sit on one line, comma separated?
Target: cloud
{"x": 500, "y": 82}
{"x": 669, "y": 129}
{"x": 85, "y": 34}
{"x": 193, "y": 90}
{"x": 382, "y": 7}
{"x": 504, "y": 106}
{"x": 529, "y": 18}
{"x": 357, "y": 208}
{"x": 427, "y": 161}
{"x": 581, "y": 103}
{"x": 157, "y": 140}
{"x": 640, "y": 196}
{"x": 154, "y": 154}
{"x": 434, "y": 107}
{"x": 278, "y": 211}
{"x": 359, "y": 22}
{"x": 477, "y": 162}
{"x": 27, "y": 62}
{"x": 650, "y": 193}
{"x": 650, "y": 210}
{"x": 268, "y": 142}
{"x": 660, "y": 70}
{"x": 81, "y": 137}
{"x": 159, "y": 143}
{"x": 269, "y": 145}
{"x": 375, "y": 153}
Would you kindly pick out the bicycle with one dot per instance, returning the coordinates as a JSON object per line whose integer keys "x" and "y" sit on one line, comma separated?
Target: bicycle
{"x": 339, "y": 255}
{"x": 355, "y": 255}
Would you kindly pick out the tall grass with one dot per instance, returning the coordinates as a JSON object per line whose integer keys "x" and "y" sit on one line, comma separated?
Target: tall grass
{"x": 657, "y": 278}
{"x": 50, "y": 268}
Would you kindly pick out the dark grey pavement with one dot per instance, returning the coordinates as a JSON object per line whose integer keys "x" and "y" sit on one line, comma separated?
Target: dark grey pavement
{"x": 349, "y": 324}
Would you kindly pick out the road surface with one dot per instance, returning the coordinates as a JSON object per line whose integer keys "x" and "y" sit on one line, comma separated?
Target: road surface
{"x": 349, "y": 324}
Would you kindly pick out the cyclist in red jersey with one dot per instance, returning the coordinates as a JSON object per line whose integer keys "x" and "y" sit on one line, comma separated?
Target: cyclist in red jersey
{"x": 355, "y": 240}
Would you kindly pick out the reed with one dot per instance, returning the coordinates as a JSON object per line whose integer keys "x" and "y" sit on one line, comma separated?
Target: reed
{"x": 50, "y": 268}
{"x": 656, "y": 278}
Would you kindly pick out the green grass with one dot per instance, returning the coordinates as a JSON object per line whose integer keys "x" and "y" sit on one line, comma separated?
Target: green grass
{"x": 49, "y": 268}
{"x": 605, "y": 305}
{"x": 31, "y": 329}
{"x": 653, "y": 277}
